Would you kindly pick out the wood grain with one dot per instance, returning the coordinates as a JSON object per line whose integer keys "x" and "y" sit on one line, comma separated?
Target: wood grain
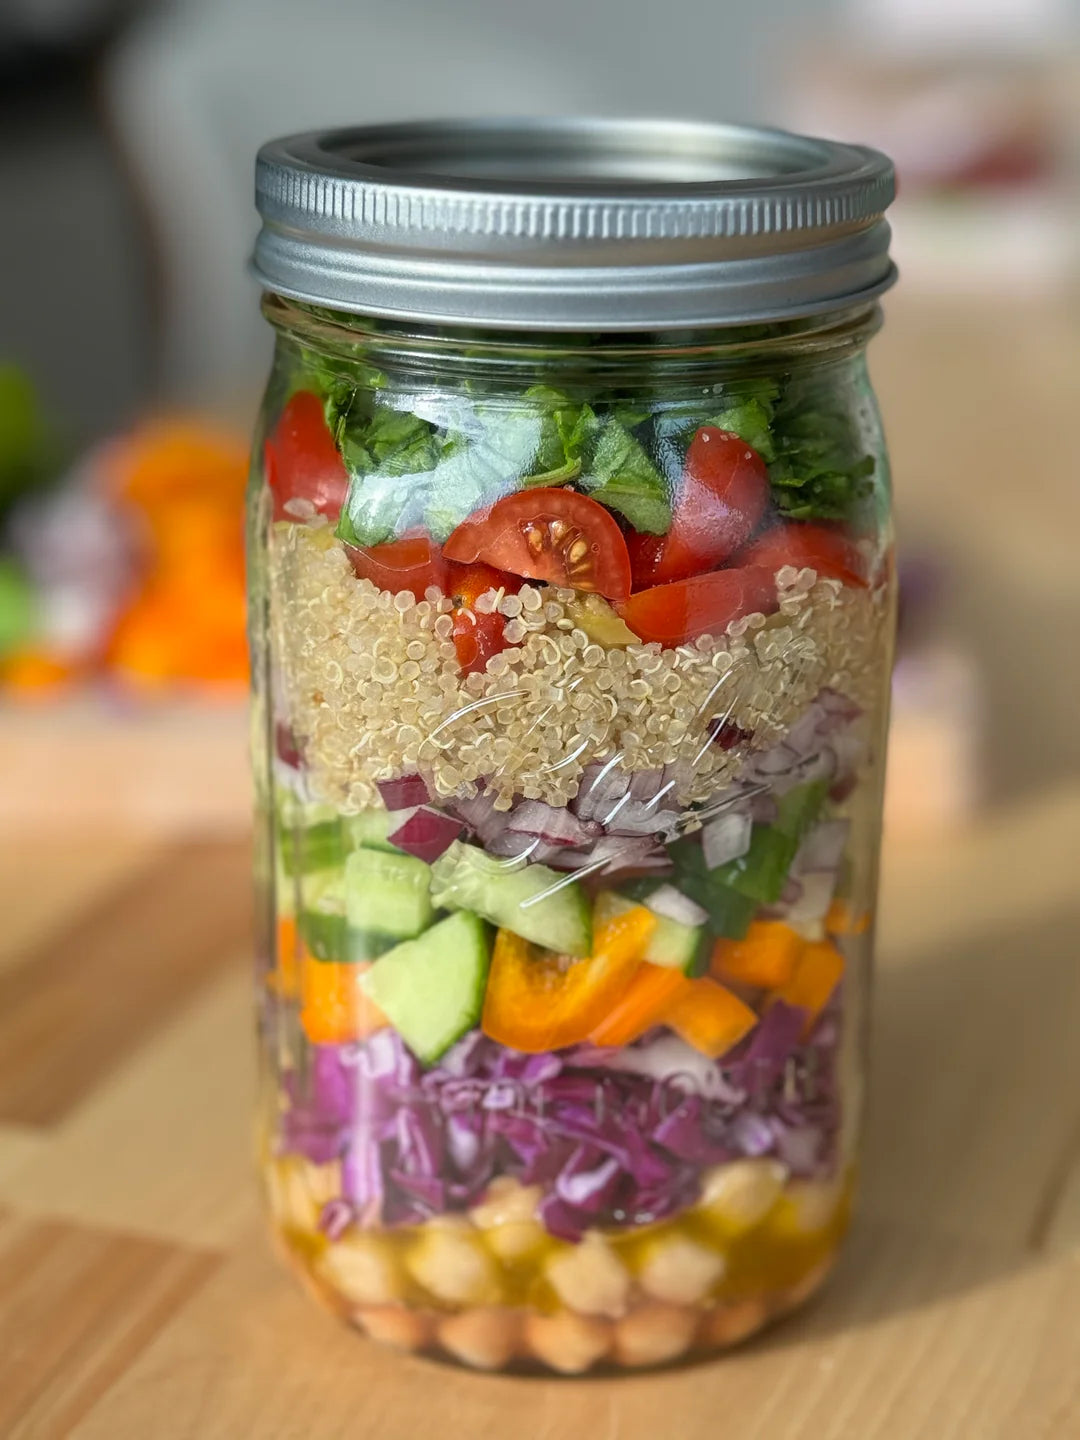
{"x": 164, "y": 1146}
{"x": 79, "y": 1308}
{"x": 920, "y": 1336}
{"x": 72, "y": 1008}
{"x": 43, "y": 889}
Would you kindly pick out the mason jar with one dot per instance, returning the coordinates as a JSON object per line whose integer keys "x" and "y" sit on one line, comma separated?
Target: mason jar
{"x": 572, "y": 595}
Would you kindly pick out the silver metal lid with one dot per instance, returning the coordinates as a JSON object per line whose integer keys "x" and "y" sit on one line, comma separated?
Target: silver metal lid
{"x": 573, "y": 224}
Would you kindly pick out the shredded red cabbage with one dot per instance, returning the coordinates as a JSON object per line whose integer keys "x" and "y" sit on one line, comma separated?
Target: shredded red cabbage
{"x": 614, "y": 1137}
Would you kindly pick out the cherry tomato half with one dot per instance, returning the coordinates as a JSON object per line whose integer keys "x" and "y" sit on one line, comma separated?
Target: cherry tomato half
{"x": 412, "y": 563}
{"x": 548, "y": 534}
{"x": 703, "y": 605}
{"x": 477, "y": 636}
{"x": 415, "y": 563}
{"x": 722, "y": 497}
{"x": 302, "y": 461}
{"x": 799, "y": 542}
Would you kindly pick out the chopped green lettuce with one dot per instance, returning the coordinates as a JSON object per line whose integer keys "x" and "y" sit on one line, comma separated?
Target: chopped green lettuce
{"x": 624, "y": 478}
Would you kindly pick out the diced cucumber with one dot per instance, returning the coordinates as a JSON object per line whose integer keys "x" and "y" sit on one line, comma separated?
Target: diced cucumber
{"x": 799, "y": 808}
{"x": 294, "y": 813}
{"x": 328, "y": 937}
{"x": 387, "y": 893}
{"x": 323, "y": 923}
{"x": 675, "y": 946}
{"x": 370, "y": 829}
{"x": 679, "y": 947}
{"x": 759, "y": 874}
{"x": 318, "y": 847}
{"x": 515, "y": 897}
{"x": 432, "y": 989}
{"x": 730, "y": 911}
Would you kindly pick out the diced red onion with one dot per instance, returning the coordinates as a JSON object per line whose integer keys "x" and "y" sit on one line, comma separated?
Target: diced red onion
{"x": 637, "y": 817}
{"x": 645, "y": 785}
{"x": 404, "y": 791}
{"x": 557, "y": 826}
{"x": 726, "y": 838}
{"x": 625, "y": 853}
{"x": 479, "y": 814}
{"x": 672, "y": 904}
{"x": 814, "y": 899}
{"x": 669, "y": 1058}
{"x": 823, "y": 847}
{"x": 764, "y": 810}
{"x": 426, "y": 834}
{"x": 288, "y": 752}
{"x": 602, "y": 786}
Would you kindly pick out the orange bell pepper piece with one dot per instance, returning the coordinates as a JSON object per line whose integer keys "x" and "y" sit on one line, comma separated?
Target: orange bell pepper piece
{"x": 765, "y": 958}
{"x": 285, "y": 977}
{"x": 334, "y": 1008}
{"x": 709, "y": 1017}
{"x": 536, "y": 1000}
{"x": 843, "y": 920}
{"x": 816, "y": 977}
{"x": 649, "y": 994}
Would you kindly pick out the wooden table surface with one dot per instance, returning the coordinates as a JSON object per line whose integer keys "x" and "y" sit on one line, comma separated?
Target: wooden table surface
{"x": 138, "y": 1296}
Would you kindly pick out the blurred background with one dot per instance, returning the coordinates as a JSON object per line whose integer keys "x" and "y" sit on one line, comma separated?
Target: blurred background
{"x": 132, "y": 351}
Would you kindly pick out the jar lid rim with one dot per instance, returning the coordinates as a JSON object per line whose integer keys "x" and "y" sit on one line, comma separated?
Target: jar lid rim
{"x": 574, "y": 224}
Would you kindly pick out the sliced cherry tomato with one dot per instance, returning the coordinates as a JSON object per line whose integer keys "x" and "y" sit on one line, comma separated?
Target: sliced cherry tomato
{"x": 302, "y": 461}
{"x": 477, "y": 636}
{"x": 705, "y": 605}
{"x": 722, "y": 497}
{"x": 799, "y": 542}
{"x": 548, "y": 534}
{"x": 536, "y": 1000}
{"x": 412, "y": 563}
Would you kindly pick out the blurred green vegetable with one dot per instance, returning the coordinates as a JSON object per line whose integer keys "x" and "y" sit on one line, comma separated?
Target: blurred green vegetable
{"x": 28, "y": 450}
{"x": 17, "y": 607}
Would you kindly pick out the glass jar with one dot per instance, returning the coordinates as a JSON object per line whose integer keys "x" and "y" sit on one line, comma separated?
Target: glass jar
{"x": 571, "y": 634}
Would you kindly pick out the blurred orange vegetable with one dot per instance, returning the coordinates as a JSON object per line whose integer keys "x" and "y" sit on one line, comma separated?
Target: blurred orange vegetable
{"x": 37, "y": 671}
{"x": 643, "y": 1004}
{"x": 537, "y": 1000}
{"x": 843, "y": 920}
{"x": 766, "y": 957}
{"x": 186, "y": 622}
{"x": 709, "y": 1017}
{"x": 816, "y": 977}
{"x": 335, "y": 1009}
{"x": 285, "y": 978}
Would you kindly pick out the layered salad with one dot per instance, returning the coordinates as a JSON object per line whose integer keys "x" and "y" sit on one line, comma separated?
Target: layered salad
{"x": 572, "y": 730}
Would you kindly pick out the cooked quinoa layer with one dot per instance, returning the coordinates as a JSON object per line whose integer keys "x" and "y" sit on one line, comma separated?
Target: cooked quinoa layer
{"x": 373, "y": 689}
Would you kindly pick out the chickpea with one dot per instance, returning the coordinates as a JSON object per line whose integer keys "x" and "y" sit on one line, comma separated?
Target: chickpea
{"x": 506, "y": 1202}
{"x": 726, "y": 1325}
{"x": 515, "y": 1240}
{"x": 590, "y": 1278}
{"x": 801, "y": 1291}
{"x": 808, "y": 1206}
{"x": 453, "y": 1266}
{"x": 363, "y": 1269}
{"x": 567, "y": 1342}
{"x": 298, "y": 1190}
{"x": 484, "y": 1338}
{"x": 653, "y": 1334}
{"x": 679, "y": 1270}
{"x": 396, "y": 1326}
{"x": 739, "y": 1195}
